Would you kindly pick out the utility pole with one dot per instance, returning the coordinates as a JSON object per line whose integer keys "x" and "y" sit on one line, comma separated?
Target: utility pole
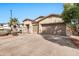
{"x": 11, "y": 14}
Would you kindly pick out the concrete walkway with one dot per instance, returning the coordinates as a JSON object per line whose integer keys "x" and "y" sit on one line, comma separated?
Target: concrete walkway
{"x": 36, "y": 45}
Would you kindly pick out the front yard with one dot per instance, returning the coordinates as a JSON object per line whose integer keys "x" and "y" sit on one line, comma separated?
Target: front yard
{"x": 34, "y": 44}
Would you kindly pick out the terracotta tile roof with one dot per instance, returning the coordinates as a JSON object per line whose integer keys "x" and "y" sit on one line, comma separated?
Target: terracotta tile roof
{"x": 39, "y": 17}
{"x": 55, "y": 15}
{"x": 43, "y": 17}
{"x": 36, "y": 20}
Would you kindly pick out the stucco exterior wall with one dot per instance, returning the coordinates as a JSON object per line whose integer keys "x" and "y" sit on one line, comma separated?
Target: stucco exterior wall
{"x": 51, "y": 20}
{"x": 49, "y": 25}
{"x": 40, "y": 28}
{"x": 30, "y": 29}
{"x": 55, "y": 29}
{"x": 52, "y": 25}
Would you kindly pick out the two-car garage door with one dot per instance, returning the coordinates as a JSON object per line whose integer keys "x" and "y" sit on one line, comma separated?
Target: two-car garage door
{"x": 55, "y": 29}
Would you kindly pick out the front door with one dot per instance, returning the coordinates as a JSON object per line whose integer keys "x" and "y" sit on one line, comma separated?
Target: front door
{"x": 27, "y": 28}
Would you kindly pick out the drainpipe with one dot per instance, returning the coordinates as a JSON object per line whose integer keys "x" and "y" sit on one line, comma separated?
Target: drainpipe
{"x": 40, "y": 28}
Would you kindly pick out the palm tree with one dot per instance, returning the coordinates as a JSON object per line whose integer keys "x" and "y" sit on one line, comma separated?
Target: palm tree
{"x": 14, "y": 24}
{"x": 13, "y": 21}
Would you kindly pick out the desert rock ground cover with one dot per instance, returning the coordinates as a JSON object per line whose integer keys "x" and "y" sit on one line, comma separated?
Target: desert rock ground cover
{"x": 37, "y": 45}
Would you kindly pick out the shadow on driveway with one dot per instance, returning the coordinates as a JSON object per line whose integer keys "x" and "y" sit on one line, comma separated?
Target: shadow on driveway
{"x": 61, "y": 40}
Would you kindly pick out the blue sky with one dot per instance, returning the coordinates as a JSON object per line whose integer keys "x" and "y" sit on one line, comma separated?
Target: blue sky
{"x": 28, "y": 10}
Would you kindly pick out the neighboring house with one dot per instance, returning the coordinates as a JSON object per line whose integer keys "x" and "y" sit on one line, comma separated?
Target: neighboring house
{"x": 51, "y": 24}
{"x": 5, "y": 26}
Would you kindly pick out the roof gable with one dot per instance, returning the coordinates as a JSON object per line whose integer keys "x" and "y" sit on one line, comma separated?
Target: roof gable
{"x": 51, "y": 15}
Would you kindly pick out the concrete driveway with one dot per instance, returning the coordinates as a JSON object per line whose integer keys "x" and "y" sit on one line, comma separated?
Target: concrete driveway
{"x": 36, "y": 45}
